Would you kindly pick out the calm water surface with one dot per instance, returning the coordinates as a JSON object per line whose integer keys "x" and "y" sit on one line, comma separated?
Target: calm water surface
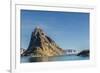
{"x": 27, "y": 59}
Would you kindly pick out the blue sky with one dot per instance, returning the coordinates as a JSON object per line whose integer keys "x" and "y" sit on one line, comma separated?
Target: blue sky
{"x": 70, "y": 30}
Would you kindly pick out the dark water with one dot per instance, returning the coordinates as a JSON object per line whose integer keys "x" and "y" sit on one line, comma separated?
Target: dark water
{"x": 27, "y": 59}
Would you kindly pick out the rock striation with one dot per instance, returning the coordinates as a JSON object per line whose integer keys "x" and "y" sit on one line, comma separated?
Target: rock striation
{"x": 42, "y": 45}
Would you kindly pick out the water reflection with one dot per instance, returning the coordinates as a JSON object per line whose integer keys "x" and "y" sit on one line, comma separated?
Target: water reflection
{"x": 26, "y": 59}
{"x": 38, "y": 59}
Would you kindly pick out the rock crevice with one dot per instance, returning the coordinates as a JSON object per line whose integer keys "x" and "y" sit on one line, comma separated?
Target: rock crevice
{"x": 42, "y": 45}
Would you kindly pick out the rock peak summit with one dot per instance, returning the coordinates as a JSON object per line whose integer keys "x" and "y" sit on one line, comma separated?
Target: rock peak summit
{"x": 42, "y": 45}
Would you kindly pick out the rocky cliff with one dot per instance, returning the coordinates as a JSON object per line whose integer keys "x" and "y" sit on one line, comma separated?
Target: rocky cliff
{"x": 42, "y": 45}
{"x": 84, "y": 53}
{"x": 22, "y": 50}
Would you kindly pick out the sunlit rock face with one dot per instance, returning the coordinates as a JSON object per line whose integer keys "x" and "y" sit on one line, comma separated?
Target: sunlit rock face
{"x": 42, "y": 45}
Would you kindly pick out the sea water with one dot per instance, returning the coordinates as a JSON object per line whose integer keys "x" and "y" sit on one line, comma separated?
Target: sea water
{"x": 27, "y": 59}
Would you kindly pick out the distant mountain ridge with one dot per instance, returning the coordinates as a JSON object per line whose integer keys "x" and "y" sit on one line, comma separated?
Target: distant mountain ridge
{"x": 42, "y": 45}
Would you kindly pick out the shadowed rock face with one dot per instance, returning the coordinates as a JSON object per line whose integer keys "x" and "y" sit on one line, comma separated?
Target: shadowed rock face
{"x": 22, "y": 50}
{"x": 84, "y": 53}
{"x": 42, "y": 45}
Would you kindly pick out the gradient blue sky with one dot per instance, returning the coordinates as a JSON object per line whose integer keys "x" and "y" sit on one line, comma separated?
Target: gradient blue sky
{"x": 70, "y": 30}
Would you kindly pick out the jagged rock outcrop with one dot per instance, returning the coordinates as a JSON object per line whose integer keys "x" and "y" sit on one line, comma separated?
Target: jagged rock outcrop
{"x": 84, "y": 53}
{"x": 22, "y": 50}
{"x": 42, "y": 45}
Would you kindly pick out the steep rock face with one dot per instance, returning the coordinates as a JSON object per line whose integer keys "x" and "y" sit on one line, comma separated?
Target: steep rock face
{"x": 22, "y": 50}
{"x": 84, "y": 53}
{"x": 42, "y": 45}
